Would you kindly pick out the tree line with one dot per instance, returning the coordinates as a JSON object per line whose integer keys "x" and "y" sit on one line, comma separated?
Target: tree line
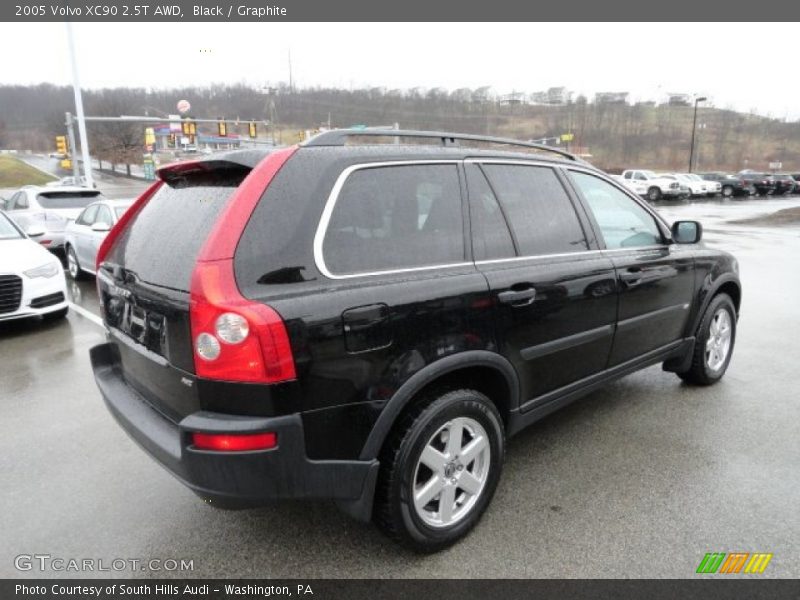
{"x": 613, "y": 135}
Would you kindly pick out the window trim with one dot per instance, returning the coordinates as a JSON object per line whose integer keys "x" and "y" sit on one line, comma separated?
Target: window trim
{"x": 330, "y": 204}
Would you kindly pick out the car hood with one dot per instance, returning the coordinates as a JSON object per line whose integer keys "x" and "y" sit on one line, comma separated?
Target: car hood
{"x": 20, "y": 255}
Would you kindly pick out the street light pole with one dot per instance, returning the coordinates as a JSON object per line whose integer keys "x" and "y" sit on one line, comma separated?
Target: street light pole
{"x": 694, "y": 130}
{"x": 76, "y": 86}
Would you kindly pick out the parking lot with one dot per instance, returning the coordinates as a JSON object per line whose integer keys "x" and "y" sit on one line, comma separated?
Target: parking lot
{"x": 640, "y": 479}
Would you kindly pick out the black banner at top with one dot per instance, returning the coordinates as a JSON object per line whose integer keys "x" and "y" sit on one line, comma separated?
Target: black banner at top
{"x": 178, "y": 11}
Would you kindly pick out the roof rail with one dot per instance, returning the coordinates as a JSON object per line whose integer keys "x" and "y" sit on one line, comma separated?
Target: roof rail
{"x": 339, "y": 137}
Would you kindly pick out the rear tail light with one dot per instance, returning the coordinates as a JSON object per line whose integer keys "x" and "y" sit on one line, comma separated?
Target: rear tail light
{"x": 223, "y": 442}
{"x": 235, "y": 339}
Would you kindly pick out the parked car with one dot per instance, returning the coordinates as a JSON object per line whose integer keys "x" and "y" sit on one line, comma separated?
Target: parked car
{"x": 637, "y": 187}
{"x": 49, "y": 209}
{"x": 32, "y": 280}
{"x": 730, "y": 185}
{"x": 796, "y": 177}
{"x": 759, "y": 183}
{"x": 693, "y": 187}
{"x": 784, "y": 184}
{"x": 83, "y": 236}
{"x": 370, "y": 323}
{"x": 712, "y": 187}
{"x": 686, "y": 191}
{"x": 657, "y": 186}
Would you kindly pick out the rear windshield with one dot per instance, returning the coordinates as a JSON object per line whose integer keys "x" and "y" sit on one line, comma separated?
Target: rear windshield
{"x": 161, "y": 243}
{"x": 56, "y": 200}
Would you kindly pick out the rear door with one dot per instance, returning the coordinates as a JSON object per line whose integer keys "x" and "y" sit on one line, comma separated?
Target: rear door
{"x": 80, "y": 231}
{"x": 655, "y": 279}
{"x": 553, "y": 291}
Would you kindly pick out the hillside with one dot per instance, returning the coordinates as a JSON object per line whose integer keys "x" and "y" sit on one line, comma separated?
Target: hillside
{"x": 615, "y": 135}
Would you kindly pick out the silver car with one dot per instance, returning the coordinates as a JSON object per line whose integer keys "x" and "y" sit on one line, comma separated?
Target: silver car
{"x": 49, "y": 210}
{"x": 83, "y": 236}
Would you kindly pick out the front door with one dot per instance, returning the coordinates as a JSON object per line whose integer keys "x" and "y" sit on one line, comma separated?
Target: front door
{"x": 655, "y": 279}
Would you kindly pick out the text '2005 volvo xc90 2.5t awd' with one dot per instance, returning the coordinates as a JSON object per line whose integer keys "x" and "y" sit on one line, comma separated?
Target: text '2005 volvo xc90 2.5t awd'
{"x": 368, "y": 322}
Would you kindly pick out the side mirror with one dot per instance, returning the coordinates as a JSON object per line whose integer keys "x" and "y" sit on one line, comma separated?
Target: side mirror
{"x": 100, "y": 226}
{"x": 35, "y": 231}
{"x": 687, "y": 232}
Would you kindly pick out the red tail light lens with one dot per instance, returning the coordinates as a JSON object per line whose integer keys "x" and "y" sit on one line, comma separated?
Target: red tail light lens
{"x": 234, "y": 442}
{"x": 263, "y": 355}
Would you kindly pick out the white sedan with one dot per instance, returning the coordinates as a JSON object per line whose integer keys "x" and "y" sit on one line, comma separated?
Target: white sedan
{"x": 32, "y": 280}
{"x": 83, "y": 236}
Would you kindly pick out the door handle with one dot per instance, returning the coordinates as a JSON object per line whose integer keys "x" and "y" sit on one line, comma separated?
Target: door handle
{"x": 518, "y": 297}
{"x": 632, "y": 277}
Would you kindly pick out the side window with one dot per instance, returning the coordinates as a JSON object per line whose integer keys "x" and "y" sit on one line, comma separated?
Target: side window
{"x": 539, "y": 211}
{"x": 396, "y": 217}
{"x": 628, "y": 174}
{"x": 21, "y": 201}
{"x": 87, "y": 216}
{"x": 11, "y": 205}
{"x": 640, "y": 177}
{"x": 103, "y": 215}
{"x": 491, "y": 237}
{"x": 623, "y": 223}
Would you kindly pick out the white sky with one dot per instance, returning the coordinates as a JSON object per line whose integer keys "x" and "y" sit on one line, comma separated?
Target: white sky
{"x": 745, "y": 66}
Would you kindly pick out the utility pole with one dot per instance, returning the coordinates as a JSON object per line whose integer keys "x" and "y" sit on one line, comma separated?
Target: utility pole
{"x": 694, "y": 128}
{"x": 291, "y": 84}
{"x": 73, "y": 148}
{"x": 76, "y": 87}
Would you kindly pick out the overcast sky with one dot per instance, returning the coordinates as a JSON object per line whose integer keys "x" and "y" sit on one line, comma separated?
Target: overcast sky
{"x": 745, "y": 66}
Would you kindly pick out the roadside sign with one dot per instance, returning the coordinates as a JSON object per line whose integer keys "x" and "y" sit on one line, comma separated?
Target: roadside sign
{"x": 567, "y": 137}
{"x": 775, "y": 165}
{"x": 175, "y": 123}
{"x": 184, "y": 106}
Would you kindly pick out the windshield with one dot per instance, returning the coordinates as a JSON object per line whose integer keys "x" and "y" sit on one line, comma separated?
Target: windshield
{"x": 56, "y": 200}
{"x": 695, "y": 177}
{"x": 7, "y": 229}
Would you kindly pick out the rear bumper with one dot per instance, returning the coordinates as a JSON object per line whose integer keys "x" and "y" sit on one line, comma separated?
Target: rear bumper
{"x": 233, "y": 479}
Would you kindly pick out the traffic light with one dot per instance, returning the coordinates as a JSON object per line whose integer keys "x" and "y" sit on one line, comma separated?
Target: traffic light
{"x": 61, "y": 144}
{"x": 253, "y": 131}
{"x": 222, "y": 128}
{"x": 185, "y": 127}
{"x": 192, "y": 128}
{"x": 149, "y": 136}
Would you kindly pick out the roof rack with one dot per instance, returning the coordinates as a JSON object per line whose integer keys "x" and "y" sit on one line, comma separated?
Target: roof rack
{"x": 339, "y": 137}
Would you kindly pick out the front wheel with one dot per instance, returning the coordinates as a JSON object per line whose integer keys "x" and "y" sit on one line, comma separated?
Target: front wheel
{"x": 727, "y": 191}
{"x": 73, "y": 266}
{"x": 654, "y": 194}
{"x": 439, "y": 470}
{"x": 713, "y": 343}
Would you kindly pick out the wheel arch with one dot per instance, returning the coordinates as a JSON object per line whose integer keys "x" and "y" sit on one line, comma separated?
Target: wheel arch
{"x": 485, "y": 371}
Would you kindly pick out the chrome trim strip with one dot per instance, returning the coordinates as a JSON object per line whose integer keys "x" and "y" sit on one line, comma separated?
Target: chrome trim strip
{"x": 330, "y": 203}
{"x": 493, "y": 261}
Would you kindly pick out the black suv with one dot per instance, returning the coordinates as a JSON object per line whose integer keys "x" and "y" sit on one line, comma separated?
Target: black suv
{"x": 368, "y": 322}
{"x": 731, "y": 185}
{"x": 760, "y": 183}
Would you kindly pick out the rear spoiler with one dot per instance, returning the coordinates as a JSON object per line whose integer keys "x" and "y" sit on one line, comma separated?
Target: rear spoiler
{"x": 235, "y": 160}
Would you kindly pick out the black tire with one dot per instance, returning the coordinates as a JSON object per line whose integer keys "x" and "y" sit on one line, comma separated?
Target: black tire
{"x": 73, "y": 265}
{"x": 395, "y": 512}
{"x": 727, "y": 191}
{"x": 57, "y": 315}
{"x": 700, "y": 373}
{"x": 654, "y": 194}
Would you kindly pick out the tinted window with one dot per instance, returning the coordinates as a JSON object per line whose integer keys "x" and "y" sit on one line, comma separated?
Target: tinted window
{"x": 56, "y": 200}
{"x": 490, "y": 235}
{"x": 87, "y": 216}
{"x": 395, "y": 218}
{"x": 163, "y": 240}
{"x": 623, "y": 223}
{"x": 539, "y": 212}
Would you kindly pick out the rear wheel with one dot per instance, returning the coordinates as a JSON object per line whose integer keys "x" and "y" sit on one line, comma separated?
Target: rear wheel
{"x": 714, "y": 343}
{"x": 653, "y": 194}
{"x": 73, "y": 266}
{"x": 727, "y": 191}
{"x": 439, "y": 470}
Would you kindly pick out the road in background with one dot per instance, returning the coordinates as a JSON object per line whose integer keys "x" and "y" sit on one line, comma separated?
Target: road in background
{"x": 639, "y": 479}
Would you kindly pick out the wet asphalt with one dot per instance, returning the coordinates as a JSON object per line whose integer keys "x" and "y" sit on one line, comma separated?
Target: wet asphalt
{"x": 639, "y": 479}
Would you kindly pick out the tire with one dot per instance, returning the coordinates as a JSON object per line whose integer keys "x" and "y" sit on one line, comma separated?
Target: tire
{"x": 654, "y": 194}
{"x": 73, "y": 266}
{"x": 707, "y": 368}
{"x": 727, "y": 191}
{"x": 428, "y": 427}
{"x": 57, "y": 315}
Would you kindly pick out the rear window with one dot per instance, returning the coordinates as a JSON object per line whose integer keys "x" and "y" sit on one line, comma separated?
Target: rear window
{"x": 66, "y": 200}
{"x": 160, "y": 245}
